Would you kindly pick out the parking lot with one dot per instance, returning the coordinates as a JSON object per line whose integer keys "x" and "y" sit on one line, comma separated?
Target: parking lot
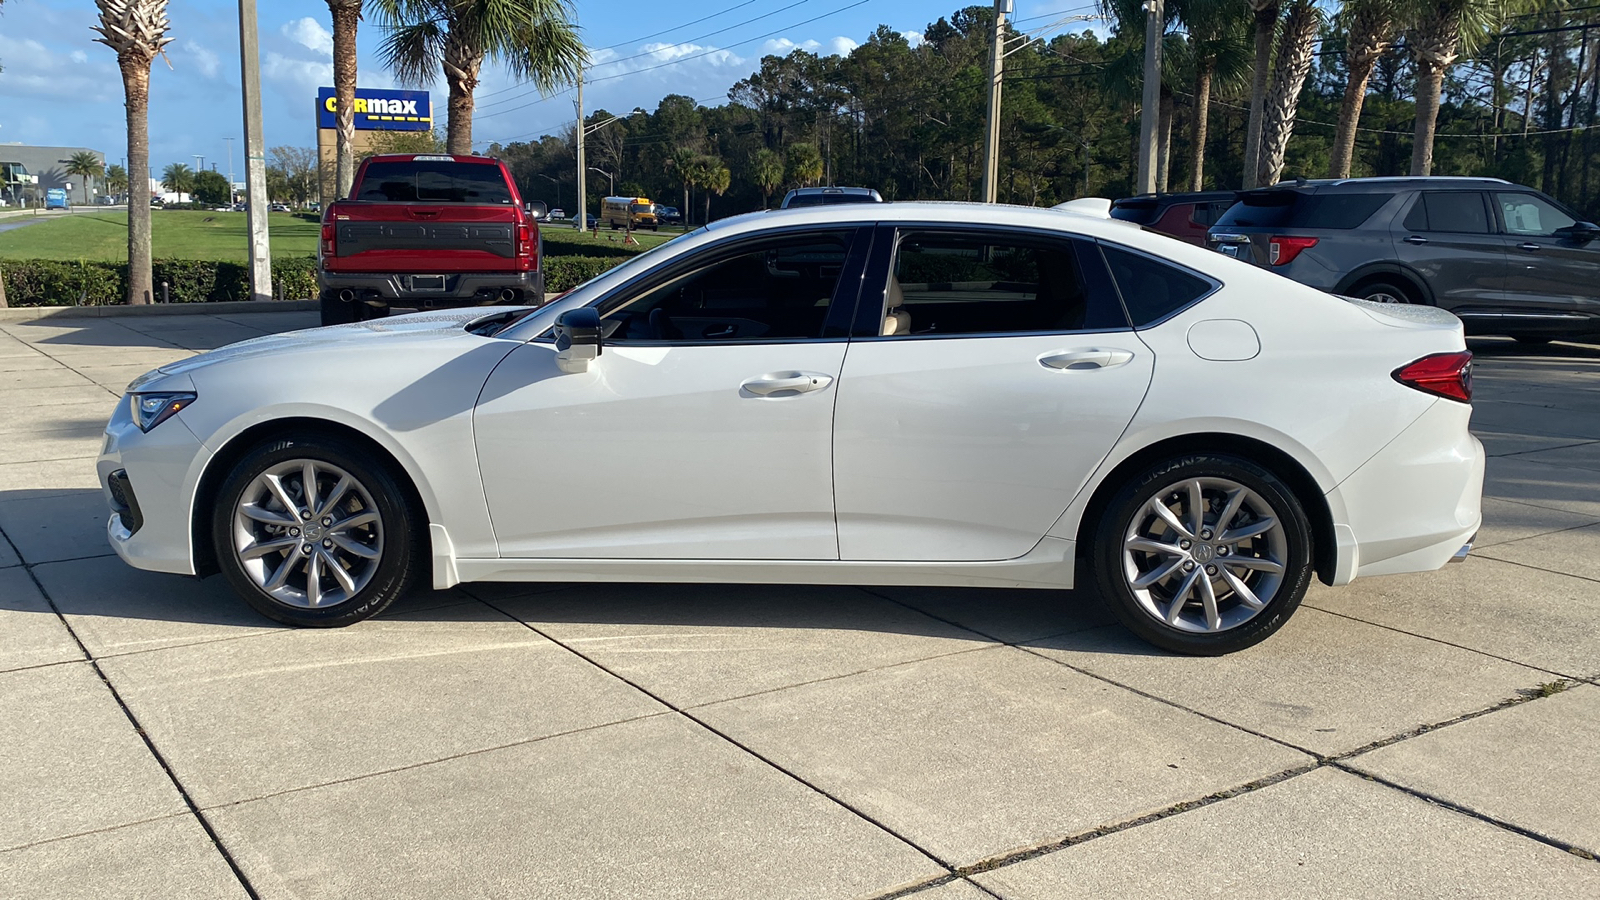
{"x": 1423, "y": 736}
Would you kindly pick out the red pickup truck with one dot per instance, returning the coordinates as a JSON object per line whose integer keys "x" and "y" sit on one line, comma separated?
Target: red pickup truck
{"x": 425, "y": 231}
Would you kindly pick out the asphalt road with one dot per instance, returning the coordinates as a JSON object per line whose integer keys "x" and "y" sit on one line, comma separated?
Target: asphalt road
{"x": 1419, "y": 736}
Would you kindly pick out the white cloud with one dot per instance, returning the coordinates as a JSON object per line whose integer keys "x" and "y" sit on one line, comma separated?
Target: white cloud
{"x": 80, "y": 57}
{"x": 784, "y": 46}
{"x": 841, "y": 46}
{"x": 301, "y": 73}
{"x": 206, "y": 60}
{"x": 310, "y": 34}
{"x": 35, "y": 71}
{"x": 914, "y": 38}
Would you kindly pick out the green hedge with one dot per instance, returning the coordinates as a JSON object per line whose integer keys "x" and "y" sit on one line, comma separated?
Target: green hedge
{"x": 563, "y": 273}
{"x": 50, "y": 282}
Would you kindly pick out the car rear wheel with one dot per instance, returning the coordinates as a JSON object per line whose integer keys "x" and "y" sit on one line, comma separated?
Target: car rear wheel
{"x": 1203, "y": 554}
{"x": 311, "y": 531}
{"x": 1385, "y": 292}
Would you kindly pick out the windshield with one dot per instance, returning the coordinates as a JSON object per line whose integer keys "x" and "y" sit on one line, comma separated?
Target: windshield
{"x": 643, "y": 208}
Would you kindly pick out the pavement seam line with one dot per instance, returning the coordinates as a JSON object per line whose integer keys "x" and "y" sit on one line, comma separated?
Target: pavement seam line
{"x": 1531, "y": 505}
{"x": 105, "y": 830}
{"x": 1484, "y": 548}
{"x": 194, "y": 810}
{"x": 691, "y": 717}
{"x": 1524, "y": 695}
{"x": 1571, "y": 849}
{"x": 1398, "y": 630}
{"x": 1524, "y": 565}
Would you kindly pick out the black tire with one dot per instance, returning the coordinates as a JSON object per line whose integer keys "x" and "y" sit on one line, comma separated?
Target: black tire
{"x": 401, "y": 555}
{"x": 1111, "y": 564}
{"x": 1377, "y": 290}
{"x": 336, "y": 311}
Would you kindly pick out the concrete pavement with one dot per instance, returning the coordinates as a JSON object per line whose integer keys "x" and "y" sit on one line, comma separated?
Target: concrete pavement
{"x": 1417, "y": 736}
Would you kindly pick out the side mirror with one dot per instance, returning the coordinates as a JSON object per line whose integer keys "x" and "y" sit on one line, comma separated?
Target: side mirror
{"x": 1582, "y": 232}
{"x": 577, "y": 339}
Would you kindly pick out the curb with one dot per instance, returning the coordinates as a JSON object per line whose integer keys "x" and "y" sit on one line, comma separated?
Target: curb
{"x": 28, "y": 313}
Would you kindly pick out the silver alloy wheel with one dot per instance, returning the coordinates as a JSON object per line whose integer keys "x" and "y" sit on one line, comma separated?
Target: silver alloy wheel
{"x": 1205, "y": 555}
{"x": 1384, "y": 297}
{"x": 308, "y": 533}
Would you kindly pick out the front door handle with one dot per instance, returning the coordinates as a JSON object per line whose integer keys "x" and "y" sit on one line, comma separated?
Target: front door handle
{"x": 1088, "y": 358}
{"x": 1416, "y": 239}
{"x": 1531, "y": 248}
{"x": 786, "y": 382}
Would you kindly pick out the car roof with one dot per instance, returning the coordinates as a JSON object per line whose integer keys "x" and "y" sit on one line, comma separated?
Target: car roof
{"x": 937, "y": 212}
{"x": 432, "y": 157}
{"x": 1141, "y": 200}
{"x": 1387, "y": 183}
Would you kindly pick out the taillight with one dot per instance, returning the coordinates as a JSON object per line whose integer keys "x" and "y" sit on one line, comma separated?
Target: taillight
{"x": 1285, "y": 249}
{"x": 327, "y": 239}
{"x": 523, "y": 240}
{"x": 1442, "y": 374}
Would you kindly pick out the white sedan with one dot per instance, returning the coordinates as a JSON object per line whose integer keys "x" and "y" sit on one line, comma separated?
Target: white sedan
{"x": 930, "y": 394}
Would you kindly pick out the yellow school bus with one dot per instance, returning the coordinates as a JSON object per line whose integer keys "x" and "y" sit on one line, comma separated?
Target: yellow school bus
{"x": 629, "y": 212}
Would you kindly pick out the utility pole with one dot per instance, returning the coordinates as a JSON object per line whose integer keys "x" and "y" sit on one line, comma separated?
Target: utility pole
{"x": 1155, "y": 24}
{"x": 991, "y": 141}
{"x": 582, "y": 218}
{"x": 255, "y": 154}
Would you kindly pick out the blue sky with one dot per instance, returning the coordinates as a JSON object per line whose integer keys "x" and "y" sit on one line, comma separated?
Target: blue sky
{"x": 58, "y": 87}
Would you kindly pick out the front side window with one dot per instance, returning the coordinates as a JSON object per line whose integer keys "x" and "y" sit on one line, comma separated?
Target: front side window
{"x": 1531, "y": 216}
{"x": 955, "y": 284}
{"x": 779, "y": 290}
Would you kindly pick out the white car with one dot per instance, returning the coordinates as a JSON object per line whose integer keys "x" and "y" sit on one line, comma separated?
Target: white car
{"x": 930, "y": 394}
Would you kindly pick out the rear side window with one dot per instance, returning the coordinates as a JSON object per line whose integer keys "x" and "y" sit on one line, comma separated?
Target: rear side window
{"x": 1460, "y": 212}
{"x": 1139, "y": 213}
{"x": 1151, "y": 290}
{"x": 1294, "y": 209}
{"x": 434, "y": 181}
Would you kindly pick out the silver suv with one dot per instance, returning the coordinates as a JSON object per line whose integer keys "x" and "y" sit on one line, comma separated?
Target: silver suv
{"x": 1505, "y": 258}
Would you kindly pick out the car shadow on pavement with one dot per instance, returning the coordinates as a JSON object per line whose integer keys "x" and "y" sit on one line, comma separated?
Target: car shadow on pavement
{"x": 1506, "y": 348}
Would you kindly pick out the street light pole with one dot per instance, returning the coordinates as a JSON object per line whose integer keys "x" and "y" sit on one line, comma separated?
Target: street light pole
{"x": 255, "y": 154}
{"x": 611, "y": 180}
{"x": 582, "y": 218}
{"x": 1155, "y": 23}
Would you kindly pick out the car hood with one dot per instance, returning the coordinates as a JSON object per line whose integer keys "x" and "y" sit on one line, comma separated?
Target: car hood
{"x": 388, "y": 333}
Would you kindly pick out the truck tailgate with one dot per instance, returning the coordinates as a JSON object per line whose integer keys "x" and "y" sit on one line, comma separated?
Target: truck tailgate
{"x": 389, "y": 237}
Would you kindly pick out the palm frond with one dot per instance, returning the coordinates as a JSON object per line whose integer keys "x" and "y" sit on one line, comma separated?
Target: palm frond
{"x": 414, "y": 52}
{"x": 537, "y": 41}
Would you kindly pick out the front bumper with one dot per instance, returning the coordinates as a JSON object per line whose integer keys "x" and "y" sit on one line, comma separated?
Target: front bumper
{"x": 148, "y": 481}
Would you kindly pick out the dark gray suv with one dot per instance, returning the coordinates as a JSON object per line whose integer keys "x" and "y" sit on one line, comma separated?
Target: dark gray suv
{"x": 1505, "y": 258}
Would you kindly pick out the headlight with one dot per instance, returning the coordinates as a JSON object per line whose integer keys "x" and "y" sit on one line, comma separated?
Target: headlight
{"x": 150, "y": 410}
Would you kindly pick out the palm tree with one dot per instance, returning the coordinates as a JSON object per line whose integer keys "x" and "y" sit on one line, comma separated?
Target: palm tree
{"x": 1369, "y": 32}
{"x": 535, "y": 39}
{"x": 1220, "y": 53}
{"x": 684, "y": 163}
{"x": 84, "y": 164}
{"x": 116, "y": 179}
{"x": 346, "y": 16}
{"x": 715, "y": 178}
{"x": 178, "y": 178}
{"x": 1289, "y": 71}
{"x": 137, "y": 31}
{"x": 1440, "y": 31}
{"x": 805, "y": 165}
{"x": 1266, "y": 19}
{"x": 766, "y": 170}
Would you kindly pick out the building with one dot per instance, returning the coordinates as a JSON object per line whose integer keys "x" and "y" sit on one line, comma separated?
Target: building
{"x": 26, "y": 172}
{"x": 377, "y": 113}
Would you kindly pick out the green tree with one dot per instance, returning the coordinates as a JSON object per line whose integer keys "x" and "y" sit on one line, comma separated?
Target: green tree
{"x": 684, "y": 164}
{"x": 85, "y": 165}
{"x": 1265, "y": 13}
{"x": 137, "y": 31}
{"x": 1369, "y": 31}
{"x": 1218, "y": 54}
{"x": 212, "y": 189}
{"x": 116, "y": 179}
{"x": 804, "y": 165}
{"x": 715, "y": 178}
{"x": 1439, "y": 32}
{"x": 535, "y": 40}
{"x": 1296, "y": 42}
{"x": 382, "y": 142}
{"x": 299, "y": 168}
{"x": 766, "y": 170}
{"x": 178, "y": 178}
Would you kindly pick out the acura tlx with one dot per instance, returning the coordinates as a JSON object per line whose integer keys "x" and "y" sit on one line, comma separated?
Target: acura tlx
{"x": 902, "y": 393}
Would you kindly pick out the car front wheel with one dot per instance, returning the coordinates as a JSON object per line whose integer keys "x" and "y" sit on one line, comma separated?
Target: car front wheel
{"x": 313, "y": 532}
{"x": 1203, "y": 554}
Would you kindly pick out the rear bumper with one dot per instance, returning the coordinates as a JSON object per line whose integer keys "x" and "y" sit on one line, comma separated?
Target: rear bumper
{"x": 460, "y": 288}
{"x": 1417, "y": 503}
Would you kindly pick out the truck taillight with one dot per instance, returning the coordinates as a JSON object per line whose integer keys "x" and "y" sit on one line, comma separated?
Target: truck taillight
{"x": 524, "y": 241}
{"x": 327, "y": 240}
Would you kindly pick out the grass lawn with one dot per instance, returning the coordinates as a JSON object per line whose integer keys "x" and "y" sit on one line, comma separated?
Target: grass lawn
{"x": 558, "y": 237}
{"x": 175, "y": 234}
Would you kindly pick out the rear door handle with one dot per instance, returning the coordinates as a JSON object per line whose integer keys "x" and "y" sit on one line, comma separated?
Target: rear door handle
{"x": 786, "y": 382}
{"x": 1087, "y": 358}
{"x": 1531, "y": 248}
{"x": 1416, "y": 239}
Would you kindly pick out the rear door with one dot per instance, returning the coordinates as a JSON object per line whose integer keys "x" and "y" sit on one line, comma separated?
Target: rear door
{"x": 991, "y": 372}
{"x": 1448, "y": 238}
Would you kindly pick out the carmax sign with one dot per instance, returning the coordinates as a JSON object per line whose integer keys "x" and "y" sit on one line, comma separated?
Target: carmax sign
{"x": 378, "y": 110}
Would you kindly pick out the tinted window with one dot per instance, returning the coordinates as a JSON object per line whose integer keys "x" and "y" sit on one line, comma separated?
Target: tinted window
{"x": 435, "y": 181}
{"x": 1461, "y": 212}
{"x": 1295, "y": 209}
{"x": 779, "y": 291}
{"x": 1151, "y": 290}
{"x": 945, "y": 284}
{"x": 1140, "y": 213}
{"x": 1531, "y": 216}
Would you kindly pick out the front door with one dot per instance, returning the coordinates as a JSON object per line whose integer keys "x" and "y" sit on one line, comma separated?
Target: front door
{"x": 1548, "y": 275}
{"x": 1448, "y": 237}
{"x": 1001, "y": 371}
{"x": 702, "y": 431}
